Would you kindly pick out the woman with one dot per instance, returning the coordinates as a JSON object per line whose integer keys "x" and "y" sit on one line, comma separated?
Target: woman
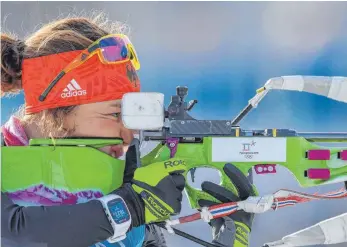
{"x": 74, "y": 73}
{"x": 84, "y": 103}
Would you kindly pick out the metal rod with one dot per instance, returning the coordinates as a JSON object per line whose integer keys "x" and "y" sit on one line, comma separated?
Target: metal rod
{"x": 188, "y": 236}
{"x": 242, "y": 114}
{"x": 324, "y": 135}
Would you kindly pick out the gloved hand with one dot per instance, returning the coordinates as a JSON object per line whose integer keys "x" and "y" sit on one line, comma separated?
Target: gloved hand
{"x": 155, "y": 191}
{"x": 232, "y": 230}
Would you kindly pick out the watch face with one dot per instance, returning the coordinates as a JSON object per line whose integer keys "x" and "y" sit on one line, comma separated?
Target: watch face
{"x": 118, "y": 211}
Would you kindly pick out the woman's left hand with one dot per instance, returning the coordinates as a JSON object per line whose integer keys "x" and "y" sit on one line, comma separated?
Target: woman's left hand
{"x": 233, "y": 230}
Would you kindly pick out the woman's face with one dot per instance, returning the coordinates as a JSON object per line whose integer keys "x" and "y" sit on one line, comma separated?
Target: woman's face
{"x": 102, "y": 119}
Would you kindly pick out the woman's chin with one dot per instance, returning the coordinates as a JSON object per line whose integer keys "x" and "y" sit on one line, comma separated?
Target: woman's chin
{"x": 116, "y": 151}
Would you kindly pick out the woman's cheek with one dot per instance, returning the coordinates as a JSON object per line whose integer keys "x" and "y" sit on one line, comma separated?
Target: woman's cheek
{"x": 108, "y": 128}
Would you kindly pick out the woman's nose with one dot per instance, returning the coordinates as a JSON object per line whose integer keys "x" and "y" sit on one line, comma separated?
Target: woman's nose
{"x": 127, "y": 135}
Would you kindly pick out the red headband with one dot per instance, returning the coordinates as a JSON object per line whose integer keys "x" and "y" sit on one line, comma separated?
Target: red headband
{"x": 89, "y": 83}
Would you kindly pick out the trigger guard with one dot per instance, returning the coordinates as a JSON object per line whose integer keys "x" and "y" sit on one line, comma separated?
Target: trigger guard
{"x": 196, "y": 194}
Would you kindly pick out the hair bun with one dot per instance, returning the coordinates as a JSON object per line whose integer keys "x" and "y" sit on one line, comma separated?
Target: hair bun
{"x": 20, "y": 47}
{"x": 12, "y": 52}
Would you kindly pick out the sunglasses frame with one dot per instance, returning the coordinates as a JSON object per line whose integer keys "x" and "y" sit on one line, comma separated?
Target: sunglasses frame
{"x": 89, "y": 52}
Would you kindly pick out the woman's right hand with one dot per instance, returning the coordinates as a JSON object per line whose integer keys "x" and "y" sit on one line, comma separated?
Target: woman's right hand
{"x": 155, "y": 192}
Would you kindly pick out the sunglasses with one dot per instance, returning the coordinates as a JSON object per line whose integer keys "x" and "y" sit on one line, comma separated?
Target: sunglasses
{"x": 111, "y": 49}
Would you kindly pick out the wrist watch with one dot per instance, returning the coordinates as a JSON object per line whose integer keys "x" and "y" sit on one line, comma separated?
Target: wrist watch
{"x": 118, "y": 215}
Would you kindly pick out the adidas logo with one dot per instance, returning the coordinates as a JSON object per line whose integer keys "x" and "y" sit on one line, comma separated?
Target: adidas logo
{"x": 73, "y": 90}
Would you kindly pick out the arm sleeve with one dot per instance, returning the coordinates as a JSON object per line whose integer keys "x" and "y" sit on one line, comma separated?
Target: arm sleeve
{"x": 80, "y": 225}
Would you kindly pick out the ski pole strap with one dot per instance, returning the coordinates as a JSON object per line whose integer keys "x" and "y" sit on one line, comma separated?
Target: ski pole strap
{"x": 257, "y": 204}
{"x": 284, "y": 198}
{"x": 254, "y": 204}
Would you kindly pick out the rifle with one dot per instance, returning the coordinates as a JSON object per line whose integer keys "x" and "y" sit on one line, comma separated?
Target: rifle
{"x": 213, "y": 143}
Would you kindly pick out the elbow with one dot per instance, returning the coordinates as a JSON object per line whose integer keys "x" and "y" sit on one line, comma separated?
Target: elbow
{"x": 13, "y": 223}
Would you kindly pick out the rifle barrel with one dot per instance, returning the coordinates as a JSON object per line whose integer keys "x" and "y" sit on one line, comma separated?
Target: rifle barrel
{"x": 324, "y": 136}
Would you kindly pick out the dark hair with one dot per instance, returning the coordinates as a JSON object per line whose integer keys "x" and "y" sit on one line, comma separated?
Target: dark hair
{"x": 68, "y": 34}
{"x": 11, "y": 64}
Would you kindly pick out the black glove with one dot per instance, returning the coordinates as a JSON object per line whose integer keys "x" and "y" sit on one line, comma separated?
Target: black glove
{"x": 155, "y": 192}
{"x": 234, "y": 229}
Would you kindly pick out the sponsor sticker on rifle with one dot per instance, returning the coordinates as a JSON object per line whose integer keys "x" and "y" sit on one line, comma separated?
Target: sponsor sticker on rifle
{"x": 263, "y": 149}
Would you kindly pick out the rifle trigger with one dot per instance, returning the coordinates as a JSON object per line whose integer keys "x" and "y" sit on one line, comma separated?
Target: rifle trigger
{"x": 192, "y": 173}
